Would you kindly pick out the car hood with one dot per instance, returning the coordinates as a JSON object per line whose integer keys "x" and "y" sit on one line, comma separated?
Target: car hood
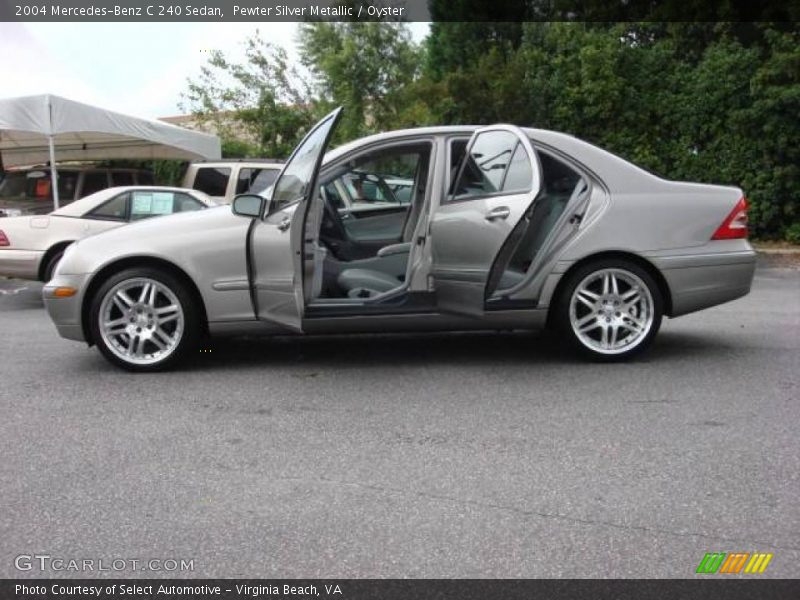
{"x": 178, "y": 238}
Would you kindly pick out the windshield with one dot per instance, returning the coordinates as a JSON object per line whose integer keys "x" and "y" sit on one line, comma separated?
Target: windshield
{"x": 299, "y": 172}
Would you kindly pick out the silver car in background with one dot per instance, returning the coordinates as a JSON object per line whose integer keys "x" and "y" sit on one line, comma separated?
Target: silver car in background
{"x": 504, "y": 228}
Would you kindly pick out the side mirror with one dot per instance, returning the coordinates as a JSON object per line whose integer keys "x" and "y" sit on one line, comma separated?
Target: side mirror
{"x": 249, "y": 205}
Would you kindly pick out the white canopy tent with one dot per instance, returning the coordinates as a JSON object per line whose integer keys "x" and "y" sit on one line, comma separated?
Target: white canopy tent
{"x": 38, "y": 129}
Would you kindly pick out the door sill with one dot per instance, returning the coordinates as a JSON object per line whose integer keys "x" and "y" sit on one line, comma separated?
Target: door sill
{"x": 409, "y": 303}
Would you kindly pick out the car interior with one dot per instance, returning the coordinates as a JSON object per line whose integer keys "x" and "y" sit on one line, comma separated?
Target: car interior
{"x": 561, "y": 186}
{"x": 368, "y": 209}
{"x": 366, "y": 214}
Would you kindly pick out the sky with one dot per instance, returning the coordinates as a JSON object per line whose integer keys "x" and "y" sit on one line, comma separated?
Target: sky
{"x": 134, "y": 68}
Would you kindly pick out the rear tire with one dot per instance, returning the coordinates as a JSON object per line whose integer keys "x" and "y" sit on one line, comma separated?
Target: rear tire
{"x": 609, "y": 310}
{"x": 145, "y": 319}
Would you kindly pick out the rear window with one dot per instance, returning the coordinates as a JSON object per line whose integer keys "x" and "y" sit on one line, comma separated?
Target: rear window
{"x": 121, "y": 178}
{"x": 256, "y": 180}
{"x": 94, "y": 181}
{"x": 115, "y": 209}
{"x": 19, "y": 185}
{"x": 15, "y": 185}
{"x": 212, "y": 180}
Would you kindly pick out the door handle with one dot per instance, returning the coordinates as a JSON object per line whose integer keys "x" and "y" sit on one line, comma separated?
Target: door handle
{"x": 285, "y": 224}
{"x": 501, "y": 212}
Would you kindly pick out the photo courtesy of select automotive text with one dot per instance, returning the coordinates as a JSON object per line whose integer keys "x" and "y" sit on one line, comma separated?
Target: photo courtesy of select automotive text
{"x": 400, "y": 299}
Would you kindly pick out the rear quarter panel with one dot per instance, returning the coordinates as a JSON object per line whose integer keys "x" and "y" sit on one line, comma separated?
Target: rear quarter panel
{"x": 666, "y": 216}
{"x": 670, "y": 225}
{"x": 667, "y": 223}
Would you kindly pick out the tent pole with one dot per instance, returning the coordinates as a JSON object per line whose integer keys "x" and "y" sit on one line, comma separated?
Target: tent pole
{"x": 53, "y": 172}
{"x": 51, "y": 144}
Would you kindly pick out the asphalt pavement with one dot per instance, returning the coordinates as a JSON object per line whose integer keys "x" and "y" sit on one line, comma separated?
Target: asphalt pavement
{"x": 458, "y": 455}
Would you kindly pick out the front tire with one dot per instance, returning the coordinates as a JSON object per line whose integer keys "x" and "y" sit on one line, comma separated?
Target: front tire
{"x": 609, "y": 310}
{"x": 144, "y": 319}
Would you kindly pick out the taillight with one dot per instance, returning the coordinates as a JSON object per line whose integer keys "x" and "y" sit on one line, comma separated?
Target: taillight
{"x": 735, "y": 224}
{"x": 4, "y": 239}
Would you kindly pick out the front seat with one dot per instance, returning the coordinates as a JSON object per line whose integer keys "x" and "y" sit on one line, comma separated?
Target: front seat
{"x": 366, "y": 283}
{"x": 368, "y": 277}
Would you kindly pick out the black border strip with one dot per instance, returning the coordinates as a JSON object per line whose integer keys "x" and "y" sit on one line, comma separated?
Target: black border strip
{"x": 734, "y": 588}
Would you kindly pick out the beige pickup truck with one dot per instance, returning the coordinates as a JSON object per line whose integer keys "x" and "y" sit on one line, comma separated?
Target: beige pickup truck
{"x": 224, "y": 179}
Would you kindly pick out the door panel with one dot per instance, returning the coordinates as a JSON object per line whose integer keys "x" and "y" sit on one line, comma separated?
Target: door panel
{"x": 498, "y": 181}
{"x": 275, "y": 242}
{"x": 377, "y": 226}
{"x": 273, "y": 268}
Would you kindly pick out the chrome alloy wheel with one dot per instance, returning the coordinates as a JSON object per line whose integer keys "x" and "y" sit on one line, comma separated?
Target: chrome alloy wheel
{"x": 141, "y": 321}
{"x": 611, "y": 311}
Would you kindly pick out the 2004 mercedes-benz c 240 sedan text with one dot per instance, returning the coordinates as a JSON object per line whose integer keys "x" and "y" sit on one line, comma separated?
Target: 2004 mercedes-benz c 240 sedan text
{"x": 506, "y": 228}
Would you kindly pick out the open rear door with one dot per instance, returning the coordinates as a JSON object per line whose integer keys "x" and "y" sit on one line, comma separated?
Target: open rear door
{"x": 497, "y": 182}
{"x": 275, "y": 241}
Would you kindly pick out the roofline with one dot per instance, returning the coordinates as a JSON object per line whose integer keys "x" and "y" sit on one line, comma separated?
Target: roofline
{"x": 433, "y": 130}
{"x": 75, "y": 167}
{"x": 266, "y": 161}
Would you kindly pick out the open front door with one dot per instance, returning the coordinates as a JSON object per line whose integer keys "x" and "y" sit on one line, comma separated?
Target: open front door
{"x": 497, "y": 182}
{"x": 275, "y": 241}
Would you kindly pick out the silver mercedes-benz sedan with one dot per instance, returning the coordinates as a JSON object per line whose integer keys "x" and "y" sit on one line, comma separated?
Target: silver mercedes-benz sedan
{"x": 503, "y": 228}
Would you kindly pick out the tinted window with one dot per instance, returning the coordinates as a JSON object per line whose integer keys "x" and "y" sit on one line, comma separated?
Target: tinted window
{"x": 212, "y": 180}
{"x": 383, "y": 178}
{"x": 15, "y": 185}
{"x": 94, "y": 181}
{"x": 558, "y": 178}
{"x": 121, "y": 178}
{"x": 458, "y": 148}
{"x": 18, "y": 184}
{"x": 67, "y": 185}
{"x": 115, "y": 209}
{"x": 255, "y": 179}
{"x": 333, "y": 196}
{"x": 401, "y": 191}
{"x": 264, "y": 179}
{"x": 496, "y": 163}
{"x": 185, "y": 203}
{"x": 520, "y": 174}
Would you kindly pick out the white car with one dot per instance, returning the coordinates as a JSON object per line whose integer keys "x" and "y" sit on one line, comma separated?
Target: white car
{"x": 31, "y": 246}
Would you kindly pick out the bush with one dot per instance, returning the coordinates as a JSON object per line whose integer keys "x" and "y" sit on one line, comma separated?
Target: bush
{"x": 792, "y": 233}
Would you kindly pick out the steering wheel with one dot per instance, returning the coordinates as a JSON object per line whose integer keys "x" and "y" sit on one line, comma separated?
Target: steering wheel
{"x": 331, "y": 239}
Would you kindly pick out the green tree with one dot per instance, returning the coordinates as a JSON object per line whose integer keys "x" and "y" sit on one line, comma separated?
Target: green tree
{"x": 710, "y": 102}
{"x": 366, "y": 67}
{"x": 264, "y": 102}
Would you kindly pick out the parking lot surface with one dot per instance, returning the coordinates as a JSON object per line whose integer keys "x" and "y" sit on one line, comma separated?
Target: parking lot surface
{"x": 460, "y": 455}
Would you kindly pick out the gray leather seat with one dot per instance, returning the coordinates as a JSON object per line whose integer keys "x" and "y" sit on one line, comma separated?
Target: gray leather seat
{"x": 366, "y": 282}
